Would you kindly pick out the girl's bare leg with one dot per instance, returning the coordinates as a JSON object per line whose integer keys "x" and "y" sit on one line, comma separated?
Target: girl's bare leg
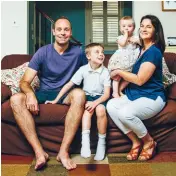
{"x": 115, "y": 87}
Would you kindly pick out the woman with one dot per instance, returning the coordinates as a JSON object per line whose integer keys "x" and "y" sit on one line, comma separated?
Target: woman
{"x": 144, "y": 96}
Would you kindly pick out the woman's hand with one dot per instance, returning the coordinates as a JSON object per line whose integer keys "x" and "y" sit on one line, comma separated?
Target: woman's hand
{"x": 115, "y": 75}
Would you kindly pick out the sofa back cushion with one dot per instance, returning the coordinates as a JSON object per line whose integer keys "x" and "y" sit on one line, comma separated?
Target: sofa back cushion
{"x": 170, "y": 59}
{"x": 14, "y": 60}
{"x": 171, "y": 91}
{"x": 5, "y": 93}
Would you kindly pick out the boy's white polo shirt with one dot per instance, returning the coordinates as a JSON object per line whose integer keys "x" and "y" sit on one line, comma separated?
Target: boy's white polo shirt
{"x": 94, "y": 81}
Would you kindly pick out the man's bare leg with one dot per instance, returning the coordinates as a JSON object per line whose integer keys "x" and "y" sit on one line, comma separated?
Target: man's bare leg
{"x": 76, "y": 99}
{"x": 26, "y": 123}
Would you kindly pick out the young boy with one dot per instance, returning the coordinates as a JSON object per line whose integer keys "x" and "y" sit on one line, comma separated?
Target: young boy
{"x": 96, "y": 84}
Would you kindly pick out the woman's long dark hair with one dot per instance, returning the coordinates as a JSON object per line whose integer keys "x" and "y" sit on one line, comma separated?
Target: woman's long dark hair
{"x": 158, "y": 37}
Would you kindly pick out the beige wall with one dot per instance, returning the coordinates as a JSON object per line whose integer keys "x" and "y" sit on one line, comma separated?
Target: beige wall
{"x": 14, "y": 36}
{"x": 13, "y": 27}
{"x": 168, "y": 19}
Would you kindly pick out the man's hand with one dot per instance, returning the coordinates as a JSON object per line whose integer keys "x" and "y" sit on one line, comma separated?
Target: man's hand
{"x": 31, "y": 103}
{"x": 50, "y": 102}
{"x": 90, "y": 106}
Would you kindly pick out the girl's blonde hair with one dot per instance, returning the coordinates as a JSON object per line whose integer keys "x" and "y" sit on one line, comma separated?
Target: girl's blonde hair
{"x": 128, "y": 18}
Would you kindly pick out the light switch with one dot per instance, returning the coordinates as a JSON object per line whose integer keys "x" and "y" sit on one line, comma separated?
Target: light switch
{"x": 14, "y": 24}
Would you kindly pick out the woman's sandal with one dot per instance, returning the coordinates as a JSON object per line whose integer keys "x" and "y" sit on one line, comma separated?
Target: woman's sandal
{"x": 134, "y": 153}
{"x": 144, "y": 156}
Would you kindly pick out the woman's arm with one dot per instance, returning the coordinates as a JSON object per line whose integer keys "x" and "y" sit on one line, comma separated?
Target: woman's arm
{"x": 146, "y": 70}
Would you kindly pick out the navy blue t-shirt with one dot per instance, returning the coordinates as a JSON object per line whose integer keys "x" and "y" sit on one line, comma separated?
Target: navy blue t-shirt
{"x": 56, "y": 70}
{"x": 154, "y": 86}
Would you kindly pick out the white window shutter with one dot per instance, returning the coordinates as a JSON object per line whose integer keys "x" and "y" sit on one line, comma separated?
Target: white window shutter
{"x": 112, "y": 21}
{"x": 104, "y": 15}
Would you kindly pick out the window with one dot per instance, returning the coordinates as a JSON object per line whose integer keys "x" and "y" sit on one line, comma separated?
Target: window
{"x": 102, "y": 21}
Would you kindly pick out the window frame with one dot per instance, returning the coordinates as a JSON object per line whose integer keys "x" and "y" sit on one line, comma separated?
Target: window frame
{"x": 88, "y": 24}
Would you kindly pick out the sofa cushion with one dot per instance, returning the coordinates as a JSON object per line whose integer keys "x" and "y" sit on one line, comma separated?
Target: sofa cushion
{"x": 12, "y": 77}
{"x": 164, "y": 118}
{"x": 170, "y": 59}
{"x": 168, "y": 77}
{"x": 14, "y": 60}
{"x": 171, "y": 91}
{"x": 5, "y": 93}
{"x": 49, "y": 114}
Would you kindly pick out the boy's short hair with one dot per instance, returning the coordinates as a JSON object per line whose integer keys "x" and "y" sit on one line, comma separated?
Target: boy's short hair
{"x": 128, "y": 18}
{"x": 91, "y": 45}
{"x": 62, "y": 17}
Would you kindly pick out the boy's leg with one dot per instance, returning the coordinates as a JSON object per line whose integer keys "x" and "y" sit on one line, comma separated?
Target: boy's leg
{"x": 86, "y": 124}
{"x": 102, "y": 126}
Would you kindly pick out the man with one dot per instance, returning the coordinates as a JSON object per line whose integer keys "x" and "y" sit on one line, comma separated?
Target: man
{"x": 57, "y": 63}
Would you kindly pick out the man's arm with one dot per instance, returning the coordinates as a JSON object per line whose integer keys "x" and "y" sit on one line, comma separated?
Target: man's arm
{"x": 25, "y": 86}
{"x": 25, "y": 83}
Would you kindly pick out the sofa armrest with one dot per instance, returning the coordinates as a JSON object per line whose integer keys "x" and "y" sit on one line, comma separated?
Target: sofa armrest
{"x": 5, "y": 93}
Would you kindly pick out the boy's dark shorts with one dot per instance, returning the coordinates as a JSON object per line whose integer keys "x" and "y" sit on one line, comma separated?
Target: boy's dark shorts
{"x": 91, "y": 98}
{"x": 42, "y": 96}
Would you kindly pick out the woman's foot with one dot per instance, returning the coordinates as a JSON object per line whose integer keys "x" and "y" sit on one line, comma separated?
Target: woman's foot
{"x": 148, "y": 151}
{"x": 134, "y": 153}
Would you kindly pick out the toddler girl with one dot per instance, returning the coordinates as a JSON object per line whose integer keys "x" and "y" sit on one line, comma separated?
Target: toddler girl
{"x": 126, "y": 55}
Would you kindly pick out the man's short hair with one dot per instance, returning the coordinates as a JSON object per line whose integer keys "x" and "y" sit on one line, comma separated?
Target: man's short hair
{"x": 91, "y": 45}
{"x": 128, "y": 18}
{"x": 62, "y": 17}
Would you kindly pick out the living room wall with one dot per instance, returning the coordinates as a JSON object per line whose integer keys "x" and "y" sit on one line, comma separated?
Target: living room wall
{"x": 14, "y": 27}
{"x": 141, "y": 8}
{"x": 14, "y": 36}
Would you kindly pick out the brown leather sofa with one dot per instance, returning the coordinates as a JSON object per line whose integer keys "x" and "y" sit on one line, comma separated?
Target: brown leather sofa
{"x": 50, "y": 121}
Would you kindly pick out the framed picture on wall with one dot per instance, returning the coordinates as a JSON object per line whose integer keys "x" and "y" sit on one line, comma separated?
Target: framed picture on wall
{"x": 168, "y": 5}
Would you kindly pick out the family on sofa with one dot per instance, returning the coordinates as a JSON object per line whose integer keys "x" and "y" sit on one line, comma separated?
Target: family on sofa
{"x": 63, "y": 65}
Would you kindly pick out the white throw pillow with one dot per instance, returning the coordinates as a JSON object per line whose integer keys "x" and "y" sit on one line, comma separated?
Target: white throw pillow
{"x": 12, "y": 77}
